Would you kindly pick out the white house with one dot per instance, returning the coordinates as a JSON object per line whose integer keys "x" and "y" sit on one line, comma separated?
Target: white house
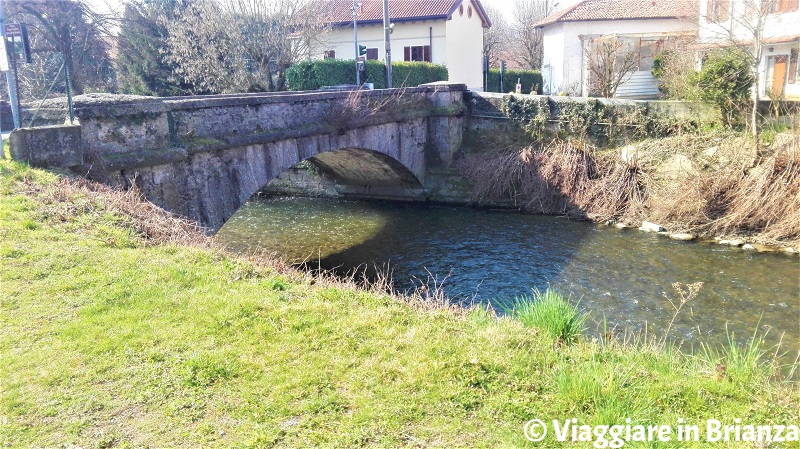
{"x": 448, "y": 32}
{"x": 733, "y": 22}
{"x": 645, "y": 26}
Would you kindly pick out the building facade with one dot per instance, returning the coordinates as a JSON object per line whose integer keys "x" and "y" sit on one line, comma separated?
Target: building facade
{"x": 644, "y": 26}
{"x": 447, "y": 32}
{"x": 740, "y": 22}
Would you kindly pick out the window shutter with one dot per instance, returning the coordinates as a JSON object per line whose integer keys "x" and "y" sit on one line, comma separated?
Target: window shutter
{"x": 709, "y": 10}
{"x": 793, "y": 66}
{"x": 407, "y": 54}
{"x": 427, "y": 53}
{"x": 723, "y": 10}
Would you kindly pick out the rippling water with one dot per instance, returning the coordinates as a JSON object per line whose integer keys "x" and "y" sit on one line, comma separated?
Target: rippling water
{"x": 619, "y": 276}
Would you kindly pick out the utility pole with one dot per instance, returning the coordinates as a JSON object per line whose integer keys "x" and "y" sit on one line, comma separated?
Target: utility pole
{"x": 10, "y": 78}
{"x": 355, "y": 39}
{"x": 387, "y": 30}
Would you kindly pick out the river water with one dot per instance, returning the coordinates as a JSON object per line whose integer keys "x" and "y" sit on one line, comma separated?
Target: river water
{"x": 618, "y": 276}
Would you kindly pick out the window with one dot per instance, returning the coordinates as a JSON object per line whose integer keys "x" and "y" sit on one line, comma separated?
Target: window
{"x": 372, "y": 53}
{"x": 780, "y": 6}
{"x": 717, "y": 11}
{"x": 792, "y": 78}
{"x": 417, "y": 53}
{"x": 329, "y": 54}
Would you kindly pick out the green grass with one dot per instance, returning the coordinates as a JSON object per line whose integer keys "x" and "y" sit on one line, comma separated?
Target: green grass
{"x": 107, "y": 341}
{"x": 550, "y": 312}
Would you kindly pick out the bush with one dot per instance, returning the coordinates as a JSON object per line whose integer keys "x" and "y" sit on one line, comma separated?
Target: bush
{"x": 528, "y": 78}
{"x": 725, "y": 80}
{"x": 412, "y": 74}
{"x": 312, "y": 75}
{"x": 676, "y": 74}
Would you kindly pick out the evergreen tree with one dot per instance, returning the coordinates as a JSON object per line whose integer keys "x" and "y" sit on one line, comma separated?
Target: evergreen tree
{"x": 141, "y": 65}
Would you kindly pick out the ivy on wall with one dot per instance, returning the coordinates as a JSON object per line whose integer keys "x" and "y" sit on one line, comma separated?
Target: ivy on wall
{"x": 603, "y": 122}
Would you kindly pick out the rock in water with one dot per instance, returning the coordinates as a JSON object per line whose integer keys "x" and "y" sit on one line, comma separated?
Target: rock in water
{"x": 651, "y": 227}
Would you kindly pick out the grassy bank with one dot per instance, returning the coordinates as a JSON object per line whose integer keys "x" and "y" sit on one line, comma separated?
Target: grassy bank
{"x": 122, "y": 327}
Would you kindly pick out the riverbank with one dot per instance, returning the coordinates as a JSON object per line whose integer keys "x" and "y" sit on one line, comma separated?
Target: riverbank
{"x": 125, "y": 327}
{"x": 712, "y": 186}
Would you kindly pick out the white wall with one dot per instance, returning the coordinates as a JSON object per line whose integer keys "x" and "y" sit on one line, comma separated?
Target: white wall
{"x": 563, "y": 48}
{"x": 465, "y": 47}
{"x": 736, "y": 27}
{"x": 553, "y": 60}
{"x": 405, "y": 34}
{"x": 456, "y": 43}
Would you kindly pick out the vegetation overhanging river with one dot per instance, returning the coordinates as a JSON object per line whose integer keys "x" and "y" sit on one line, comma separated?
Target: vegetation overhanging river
{"x": 619, "y": 276}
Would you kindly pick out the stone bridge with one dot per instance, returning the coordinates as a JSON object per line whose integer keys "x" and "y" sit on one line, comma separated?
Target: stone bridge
{"x": 203, "y": 157}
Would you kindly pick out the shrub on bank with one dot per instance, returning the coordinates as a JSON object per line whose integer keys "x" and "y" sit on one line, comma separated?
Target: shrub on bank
{"x": 725, "y": 80}
{"x": 312, "y": 75}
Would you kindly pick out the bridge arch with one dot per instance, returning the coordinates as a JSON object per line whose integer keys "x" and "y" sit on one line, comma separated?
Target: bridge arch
{"x": 364, "y": 168}
{"x": 211, "y": 186}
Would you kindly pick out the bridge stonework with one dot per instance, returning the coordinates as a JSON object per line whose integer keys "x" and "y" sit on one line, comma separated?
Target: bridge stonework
{"x": 203, "y": 157}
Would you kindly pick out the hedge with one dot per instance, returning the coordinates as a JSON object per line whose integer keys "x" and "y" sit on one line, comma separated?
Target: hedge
{"x": 528, "y": 79}
{"x": 312, "y": 75}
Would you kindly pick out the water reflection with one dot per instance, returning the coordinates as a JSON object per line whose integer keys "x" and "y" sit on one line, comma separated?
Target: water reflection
{"x": 618, "y": 275}
{"x": 301, "y": 229}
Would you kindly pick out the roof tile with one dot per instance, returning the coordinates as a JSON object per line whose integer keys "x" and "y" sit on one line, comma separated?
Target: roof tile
{"x": 341, "y": 11}
{"x": 623, "y": 9}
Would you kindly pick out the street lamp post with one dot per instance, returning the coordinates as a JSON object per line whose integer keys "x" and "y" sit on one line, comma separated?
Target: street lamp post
{"x": 355, "y": 39}
{"x": 387, "y": 30}
{"x": 10, "y": 76}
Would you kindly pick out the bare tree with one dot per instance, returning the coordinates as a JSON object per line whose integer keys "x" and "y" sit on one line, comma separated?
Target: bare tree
{"x": 525, "y": 41}
{"x": 241, "y": 45}
{"x": 495, "y": 38}
{"x": 610, "y": 62}
{"x": 68, "y": 32}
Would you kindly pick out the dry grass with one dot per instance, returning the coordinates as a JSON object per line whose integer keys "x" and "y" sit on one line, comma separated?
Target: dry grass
{"x": 762, "y": 201}
{"x": 727, "y": 191}
{"x": 767, "y": 199}
{"x": 68, "y": 198}
{"x": 560, "y": 178}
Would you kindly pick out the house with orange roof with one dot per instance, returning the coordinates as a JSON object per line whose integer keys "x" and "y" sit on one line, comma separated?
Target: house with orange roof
{"x": 645, "y": 26}
{"x": 448, "y": 32}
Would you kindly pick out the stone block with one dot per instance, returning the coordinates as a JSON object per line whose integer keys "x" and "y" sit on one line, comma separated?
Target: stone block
{"x": 48, "y": 146}
{"x": 651, "y": 227}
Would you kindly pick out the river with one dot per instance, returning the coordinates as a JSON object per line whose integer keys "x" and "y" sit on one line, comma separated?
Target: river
{"x": 618, "y": 276}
